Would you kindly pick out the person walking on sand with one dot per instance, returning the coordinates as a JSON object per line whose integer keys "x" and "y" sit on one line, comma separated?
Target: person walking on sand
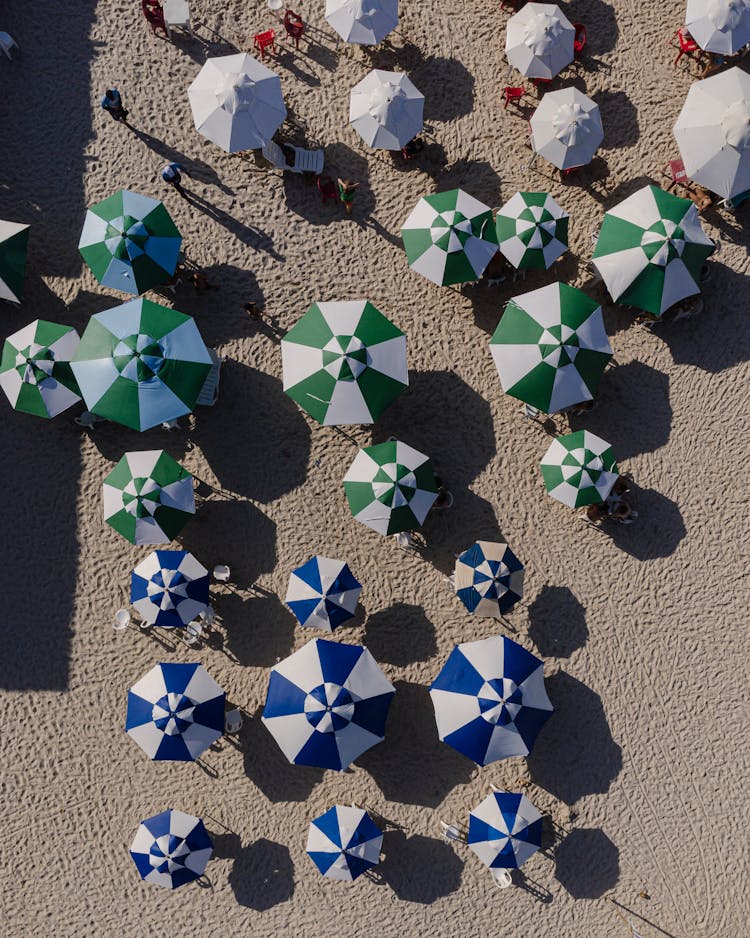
{"x": 112, "y": 104}
{"x": 172, "y": 175}
{"x": 347, "y": 189}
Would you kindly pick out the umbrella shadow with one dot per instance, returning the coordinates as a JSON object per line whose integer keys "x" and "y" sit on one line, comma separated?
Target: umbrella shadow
{"x": 394, "y": 58}
{"x": 557, "y": 622}
{"x": 619, "y": 118}
{"x": 587, "y": 863}
{"x": 341, "y": 162}
{"x": 200, "y": 171}
{"x": 477, "y": 177}
{"x": 657, "y": 531}
{"x": 399, "y": 767}
{"x": 112, "y": 439}
{"x": 575, "y": 754}
{"x": 260, "y": 630}
{"x": 262, "y": 875}
{"x": 418, "y": 868}
{"x": 270, "y": 438}
{"x": 400, "y": 635}
{"x": 268, "y": 768}
{"x": 448, "y": 87}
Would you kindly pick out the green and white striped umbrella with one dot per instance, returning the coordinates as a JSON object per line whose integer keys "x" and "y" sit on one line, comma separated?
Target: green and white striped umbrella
{"x": 130, "y": 242}
{"x": 35, "y": 370}
{"x": 579, "y": 469}
{"x": 449, "y": 237}
{"x": 148, "y": 497}
{"x": 532, "y": 230}
{"x": 141, "y": 364}
{"x": 390, "y": 487}
{"x": 550, "y": 347}
{"x": 344, "y": 362}
{"x": 14, "y": 238}
{"x": 650, "y": 250}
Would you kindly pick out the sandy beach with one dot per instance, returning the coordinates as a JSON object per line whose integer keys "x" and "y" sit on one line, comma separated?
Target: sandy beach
{"x": 642, "y": 631}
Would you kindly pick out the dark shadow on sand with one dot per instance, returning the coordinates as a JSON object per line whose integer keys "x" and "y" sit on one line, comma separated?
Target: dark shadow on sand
{"x": 418, "y": 868}
{"x": 587, "y": 863}
{"x": 557, "y": 622}
{"x": 262, "y": 876}
{"x": 259, "y": 628}
{"x": 268, "y": 768}
{"x": 400, "y": 635}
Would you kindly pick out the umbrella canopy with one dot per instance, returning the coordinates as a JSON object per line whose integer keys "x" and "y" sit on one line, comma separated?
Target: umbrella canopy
{"x": 148, "y": 497}
{"x": 550, "y": 347}
{"x": 489, "y": 699}
{"x": 539, "y": 40}
{"x": 130, "y": 242}
{"x": 171, "y": 849}
{"x": 14, "y": 239}
{"x": 579, "y": 469}
{"x": 327, "y": 703}
{"x": 344, "y": 362}
{"x": 390, "y": 487}
{"x": 386, "y": 109}
{"x": 35, "y": 370}
{"x": 237, "y": 102}
{"x": 505, "y": 830}
{"x": 169, "y": 588}
{"x": 488, "y": 578}
{"x": 364, "y": 22}
{"x": 532, "y": 230}
{"x": 322, "y": 593}
{"x": 721, "y": 26}
{"x": 175, "y": 712}
{"x": 650, "y": 250}
{"x": 566, "y": 128}
{"x": 449, "y": 237}
{"x": 713, "y": 132}
{"x": 141, "y": 364}
{"x": 344, "y": 842}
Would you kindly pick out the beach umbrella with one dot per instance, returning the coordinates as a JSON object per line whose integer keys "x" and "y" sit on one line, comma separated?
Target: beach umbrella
{"x": 488, "y": 578}
{"x": 171, "y": 849}
{"x": 169, "y": 588}
{"x": 344, "y": 842}
{"x": 35, "y": 370}
{"x": 532, "y": 230}
{"x": 489, "y": 699}
{"x": 566, "y": 128}
{"x": 579, "y": 469}
{"x": 449, "y": 237}
{"x": 364, "y": 22}
{"x": 505, "y": 830}
{"x": 650, "y": 250}
{"x": 386, "y": 109}
{"x": 550, "y": 347}
{"x": 175, "y": 712}
{"x": 390, "y": 487}
{"x": 539, "y": 40}
{"x": 130, "y": 242}
{"x": 344, "y": 362}
{"x": 141, "y": 364}
{"x": 14, "y": 239}
{"x": 327, "y": 703}
{"x": 721, "y": 26}
{"x": 322, "y": 593}
{"x": 148, "y": 497}
{"x": 713, "y": 132}
{"x": 237, "y": 102}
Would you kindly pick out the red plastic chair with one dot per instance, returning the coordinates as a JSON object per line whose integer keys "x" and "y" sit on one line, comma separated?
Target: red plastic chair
{"x": 294, "y": 26}
{"x": 263, "y": 41}
{"x": 686, "y": 42}
{"x": 154, "y": 15}
{"x": 512, "y": 95}
{"x": 327, "y": 188}
{"x": 542, "y": 85}
{"x": 579, "y": 40}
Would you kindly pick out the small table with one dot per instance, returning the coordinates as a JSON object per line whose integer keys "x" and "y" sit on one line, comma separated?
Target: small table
{"x": 177, "y": 13}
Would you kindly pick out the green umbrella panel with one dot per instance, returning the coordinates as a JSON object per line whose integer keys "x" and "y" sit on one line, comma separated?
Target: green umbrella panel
{"x": 35, "y": 371}
{"x": 579, "y": 469}
{"x": 14, "y": 239}
{"x": 532, "y": 230}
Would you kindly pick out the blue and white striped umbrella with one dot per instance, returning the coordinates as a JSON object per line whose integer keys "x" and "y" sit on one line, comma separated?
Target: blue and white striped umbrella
{"x": 327, "y": 703}
{"x": 344, "y": 842}
{"x": 169, "y": 588}
{"x": 171, "y": 849}
{"x": 489, "y": 699}
{"x": 175, "y": 712}
{"x": 488, "y": 578}
{"x": 504, "y": 830}
{"x": 322, "y": 593}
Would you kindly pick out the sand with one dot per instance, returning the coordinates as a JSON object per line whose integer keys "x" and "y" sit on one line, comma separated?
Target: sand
{"x": 643, "y": 633}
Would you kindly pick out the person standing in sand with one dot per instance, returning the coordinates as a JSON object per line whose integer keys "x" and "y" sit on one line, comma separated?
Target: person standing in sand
{"x": 112, "y": 104}
{"x": 172, "y": 174}
{"x": 347, "y": 189}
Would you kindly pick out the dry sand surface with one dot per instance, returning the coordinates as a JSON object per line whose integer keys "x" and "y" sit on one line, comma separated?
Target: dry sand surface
{"x": 645, "y": 762}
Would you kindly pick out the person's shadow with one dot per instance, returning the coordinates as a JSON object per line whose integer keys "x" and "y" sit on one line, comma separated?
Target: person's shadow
{"x": 198, "y": 169}
{"x": 251, "y": 237}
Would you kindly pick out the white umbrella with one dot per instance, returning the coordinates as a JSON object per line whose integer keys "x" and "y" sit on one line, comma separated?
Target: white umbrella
{"x": 237, "y": 102}
{"x": 386, "y": 109}
{"x": 713, "y": 132}
{"x": 364, "y": 22}
{"x": 721, "y": 26}
{"x": 566, "y": 128}
{"x": 539, "y": 40}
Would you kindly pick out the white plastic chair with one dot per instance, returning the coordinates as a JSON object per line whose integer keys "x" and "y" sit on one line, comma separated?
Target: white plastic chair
{"x": 305, "y": 161}
{"x": 233, "y": 721}
{"x": 193, "y": 633}
{"x": 7, "y": 42}
{"x": 208, "y": 616}
{"x": 501, "y": 877}
{"x": 210, "y": 390}
{"x": 221, "y": 572}
{"x": 531, "y": 412}
{"x": 452, "y": 832}
{"x": 122, "y": 620}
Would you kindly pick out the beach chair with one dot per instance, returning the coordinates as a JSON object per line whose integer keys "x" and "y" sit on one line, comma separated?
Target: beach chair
{"x": 210, "y": 390}
{"x": 686, "y": 44}
{"x": 233, "y": 721}
{"x": 263, "y": 41}
{"x": 512, "y": 95}
{"x": 221, "y": 573}
{"x": 579, "y": 40}
{"x": 305, "y": 161}
{"x": 294, "y": 27}
{"x": 734, "y": 203}
{"x": 7, "y": 42}
{"x": 452, "y": 832}
{"x": 327, "y": 188}
{"x": 501, "y": 877}
{"x": 193, "y": 633}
